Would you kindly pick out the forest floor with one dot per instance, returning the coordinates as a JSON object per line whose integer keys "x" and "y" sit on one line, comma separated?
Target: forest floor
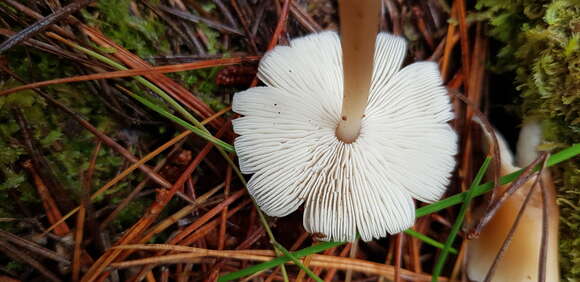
{"x": 107, "y": 171}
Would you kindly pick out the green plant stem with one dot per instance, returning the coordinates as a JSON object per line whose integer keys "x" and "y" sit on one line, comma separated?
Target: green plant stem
{"x": 426, "y": 239}
{"x": 459, "y": 220}
{"x": 181, "y": 122}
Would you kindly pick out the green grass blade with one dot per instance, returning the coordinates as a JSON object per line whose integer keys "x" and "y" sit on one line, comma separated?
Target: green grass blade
{"x": 297, "y": 262}
{"x": 557, "y": 158}
{"x": 427, "y": 240}
{"x": 199, "y": 132}
{"x": 174, "y": 104}
{"x": 279, "y": 260}
{"x": 459, "y": 220}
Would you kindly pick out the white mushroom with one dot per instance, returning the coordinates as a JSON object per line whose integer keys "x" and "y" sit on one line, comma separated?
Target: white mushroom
{"x": 287, "y": 139}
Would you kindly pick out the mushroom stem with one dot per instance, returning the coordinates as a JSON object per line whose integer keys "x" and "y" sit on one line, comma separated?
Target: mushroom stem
{"x": 359, "y": 25}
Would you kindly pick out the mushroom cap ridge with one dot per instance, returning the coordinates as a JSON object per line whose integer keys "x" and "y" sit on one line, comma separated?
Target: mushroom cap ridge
{"x": 287, "y": 139}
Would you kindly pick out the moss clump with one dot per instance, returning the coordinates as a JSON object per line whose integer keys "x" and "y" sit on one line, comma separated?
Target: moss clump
{"x": 139, "y": 31}
{"x": 60, "y": 140}
{"x": 542, "y": 49}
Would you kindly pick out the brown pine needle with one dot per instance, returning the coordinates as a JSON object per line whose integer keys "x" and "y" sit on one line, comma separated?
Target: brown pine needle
{"x": 135, "y": 72}
{"x": 330, "y": 262}
{"x": 134, "y": 233}
{"x": 123, "y": 174}
{"x": 464, "y": 38}
{"x": 449, "y": 44}
{"x": 130, "y": 169}
{"x": 399, "y": 241}
{"x": 43, "y": 24}
{"x": 50, "y": 206}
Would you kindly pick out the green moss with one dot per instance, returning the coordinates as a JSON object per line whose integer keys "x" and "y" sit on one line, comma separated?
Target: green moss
{"x": 140, "y": 32}
{"x": 144, "y": 34}
{"x": 542, "y": 50}
{"x": 130, "y": 214}
{"x": 65, "y": 145}
{"x": 202, "y": 82}
{"x": 212, "y": 39}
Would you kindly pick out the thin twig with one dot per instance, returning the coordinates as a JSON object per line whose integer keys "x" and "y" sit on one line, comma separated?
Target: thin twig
{"x": 464, "y": 38}
{"x": 545, "y": 232}
{"x": 494, "y": 145}
{"x": 188, "y": 253}
{"x": 37, "y": 16}
{"x": 33, "y": 247}
{"x": 18, "y": 255}
{"x": 543, "y": 157}
{"x": 43, "y": 24}
{"x": 245, "y": 26}
{"x": 352, "y": 254}
{"x": 81, "y": 216}
{"x": 198, "y": 19}
{"x": 526, "y": 175}
{"x": 226, "y": 13}
{"x": 399, "y": 241}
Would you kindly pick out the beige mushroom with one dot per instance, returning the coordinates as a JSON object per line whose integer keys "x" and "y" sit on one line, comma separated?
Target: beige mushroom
{"x": 521, "y": 259}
